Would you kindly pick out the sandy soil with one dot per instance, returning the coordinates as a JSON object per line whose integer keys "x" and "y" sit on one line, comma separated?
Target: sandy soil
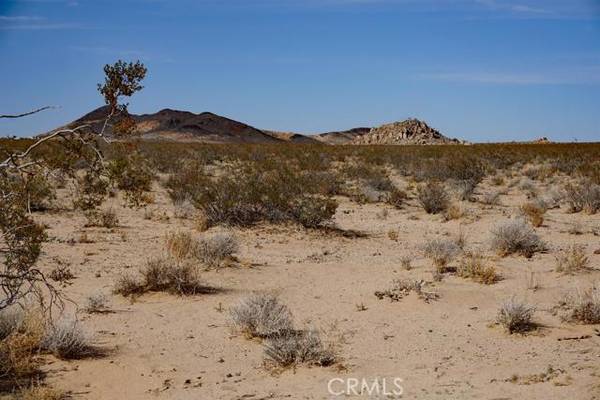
{"x": 169, "y": 347}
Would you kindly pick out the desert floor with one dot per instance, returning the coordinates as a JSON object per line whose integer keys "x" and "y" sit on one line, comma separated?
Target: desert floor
{"x": 168, "y": 347}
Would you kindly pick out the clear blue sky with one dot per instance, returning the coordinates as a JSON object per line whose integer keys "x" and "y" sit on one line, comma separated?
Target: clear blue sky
{"x": 482, "y": 70}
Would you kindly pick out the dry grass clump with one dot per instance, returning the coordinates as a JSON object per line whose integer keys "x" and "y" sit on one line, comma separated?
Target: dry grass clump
{"x": 406, "y": 262}
{"x": 433, "y": 197}
{"x": 66, "y": 340}
{"x": 163, "y": 275}
{"x": 19, "y": 348}
{"x": 473, "y": 266}
{"x": 515, "y": 236}
{"x": 583, "y": 196}
{"x": 179, "y": 245}
{"x": 183, "y": 209}
{"x": 38, "y": 392}
{"x": 441, "y": 252}
{"x": 298, "y": 347}
{"x": 215, "y": 249}
{"x": 454, "y": 211}
{"x": 403, "y": 287}
{"x": 492, "y": 198}
{"x": 534, "y": 212}
{"x": 516, "y": 316}
{"x": 584, "y": 305}
{"x": 104, "y": 218}
{"x": 572, "y": 260}
{"x": 97, "y": 304}
{"x": 261, "y": 315}
{"x": 396, "y": 198}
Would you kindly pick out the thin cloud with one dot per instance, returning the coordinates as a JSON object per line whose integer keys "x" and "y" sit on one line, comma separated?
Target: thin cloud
{"x": 583, "y": 76}
{"x": 20, "y": 18}
{"x": 40, "y": 27}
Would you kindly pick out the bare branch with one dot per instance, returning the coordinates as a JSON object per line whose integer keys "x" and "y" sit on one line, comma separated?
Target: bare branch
{"x": 28, "y": 113}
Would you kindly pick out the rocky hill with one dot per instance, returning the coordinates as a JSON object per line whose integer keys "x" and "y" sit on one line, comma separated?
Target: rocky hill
{"x": 342, "y": 137}
{"x": 410, "y": 131}
{"x": 182, "y": 126}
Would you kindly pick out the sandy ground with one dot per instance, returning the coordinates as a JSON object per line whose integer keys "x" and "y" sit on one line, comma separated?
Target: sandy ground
{"x": 169, "y": 347}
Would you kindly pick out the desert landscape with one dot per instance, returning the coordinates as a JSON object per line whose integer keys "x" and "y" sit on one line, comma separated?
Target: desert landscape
{"x": 189, "y": 269}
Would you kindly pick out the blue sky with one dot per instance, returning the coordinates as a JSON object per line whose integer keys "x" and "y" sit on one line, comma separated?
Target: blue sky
{"x": 482, "y": 70}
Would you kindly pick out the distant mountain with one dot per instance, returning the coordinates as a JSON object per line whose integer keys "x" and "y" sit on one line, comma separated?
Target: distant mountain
{"x": 410, "y": 131}
{"x": 342, "y": 137}
{"x": 182, "y": 126}
{"x": 293, "y": 137}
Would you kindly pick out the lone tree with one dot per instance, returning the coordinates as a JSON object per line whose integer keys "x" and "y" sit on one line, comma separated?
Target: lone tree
{"x": 23, "y": 173}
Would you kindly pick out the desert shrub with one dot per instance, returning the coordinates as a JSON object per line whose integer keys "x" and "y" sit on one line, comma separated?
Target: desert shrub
{"x": 92, "y": 189}
{"x": 104, "y": 218}
{"x": 20, "y": 349}
{"x": 262, "y": 315}
{"x": 183, "y": 209}
{"x": 66, "y": 340}
{"x": 473, "y": 266}
{"x": 552, "y": 198}
{"x": 180, "y": 245}
{"x": 396, "y": 197}
{"x": 515, "y": 236}
{"x": 584, "y": 305}
{"x": 131, "y": 174}
{"x": 583, "y": 196}
{"x": 37, "y": 392}
{"x": 298, "y": 347}
{"x": 527, "y": 186}
{"x": 534, "y": 211}
{"x": 249, "y": 194}
{"x": 61, "y": 273}
{"x": 214, "y": 249}
{"x": 491, "y": 198}
{"x": 464, "y": 189}
{"x": 406, "y": 262}
{"x": 454, "y": 211}
{"x": 10, "y": 320}
{"x": 39, "y": 192}
{"x": 441, "y": 252}
{"x": 433, "y": 197}
{"x": 572, "y": 260}
{"x": 128, "y": 285}
{"x": 167, "y": 275}
{"x": 516, "y": 316}
{"x": 97, "y": 303}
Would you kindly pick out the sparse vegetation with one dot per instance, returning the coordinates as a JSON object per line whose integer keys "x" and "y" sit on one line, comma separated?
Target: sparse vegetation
{"x": 572, "y": 260}
{"x": 298, "y": 347}
{"x": 66, "y": 340}
{"x": 433, "y": 197}
{"x": 534, "y": 211}
{"x": 441, "y": 252}
{"x": 584, "y": 304}
{"x": 516, "y": 316}
{"x": 262, "y": 315}
{"x": 215, "y": 249}
{"x": 473, "y": 266}
{"x": 401, "y": 288}
{"x": 515, "y": 236}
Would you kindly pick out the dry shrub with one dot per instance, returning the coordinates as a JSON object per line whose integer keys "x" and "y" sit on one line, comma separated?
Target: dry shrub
{"x": 584, "y": 305}
{"x": 97, "y": 304}
{"x": 298, "y": 347}
{"x": 528, "y": 187}
{"x": 183, "y": 209}
{"x": 213, "y": 250}
{"x": 515, "y": 236}
{"x": 492, "y": 198}
{"x": 433, "y": 197}
{"x": 441, "y": 252}
{"x": 534, "y": 211}
{"x": 583, "y": 196}
{"x": 516, "y": 316}
{"x": 262, "y": 315}
{"x": 104, "y": 218}
{"x": 572, "y": 260}
{"x": 405, "y": 262}
{"x": 180, "y": 245}
{"x": 128, "y": 285}
{"x": 473, "y": 266}
{"x": 454, "y": 211}
{"x": 396, "y": 198}
{"x": 167, "y": 275}
{"x": 66, "y": 340}
{"x": 38, "y": 392}
{"x": 19, "y": 349}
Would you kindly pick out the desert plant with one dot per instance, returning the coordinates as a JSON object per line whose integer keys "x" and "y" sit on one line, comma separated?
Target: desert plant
{"x": 403, "y": 287}
{"x": 38, "y": 392}
{"x": 96, "y": 304}
{"x": 20, "y": 348}
{"x": 180, "y": 245}
{"x": 406, "y": 262}
{"x": 261, "y": 315}
{"x": 584, "y": 305}
{"x": 433, "y": 197}
{"x": 572, "y": 260}
{"x": 534, "y": 211}
{"x": 454, "y": 211}
{"x": 515, "y": 236}
{"x": 473, "y": 266}
{"x": 441, "y": 252}
{"x": 66, "y": 340}
{"x": 104, "y": 218}
{"x": 396, "y": 197}
{"x": 128, "y": 285}
{"x": 516, "y": 316}
{"x": 167, "y": 275}
{"x": 583, "y": 196}
{"x": 298, "y": 347}
{"x": 214, "y": 249}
